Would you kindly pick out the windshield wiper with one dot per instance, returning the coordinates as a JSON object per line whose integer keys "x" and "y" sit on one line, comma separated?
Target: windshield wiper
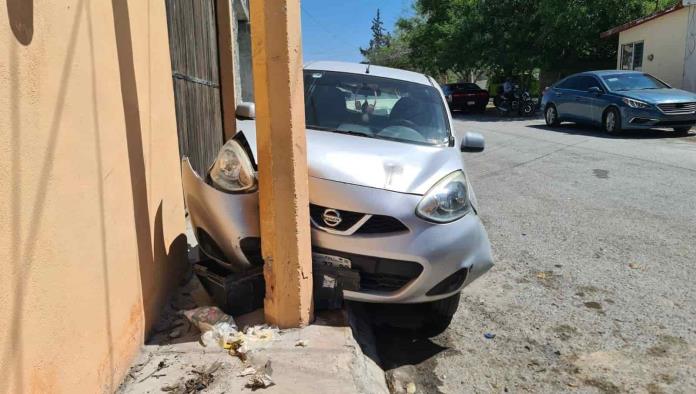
{"x": 333, "y": 130}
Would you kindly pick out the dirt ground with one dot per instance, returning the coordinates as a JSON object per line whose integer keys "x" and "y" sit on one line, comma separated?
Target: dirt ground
{"x": 593, "y": 289}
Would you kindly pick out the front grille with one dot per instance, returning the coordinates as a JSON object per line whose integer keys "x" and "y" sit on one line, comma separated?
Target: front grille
{"x": 348, "y": 218}
{"x": 378, "y": 274}
{"x": 379, "y": 224}
{"x": 678, "y": 108}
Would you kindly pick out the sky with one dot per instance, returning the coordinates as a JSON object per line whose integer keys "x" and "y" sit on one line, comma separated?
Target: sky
{"x": 335, "y": 30}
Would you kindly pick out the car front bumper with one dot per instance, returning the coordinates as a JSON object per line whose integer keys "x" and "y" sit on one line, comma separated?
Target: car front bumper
{"x": 637, "y": 118}
{"x": 441, "y": 250}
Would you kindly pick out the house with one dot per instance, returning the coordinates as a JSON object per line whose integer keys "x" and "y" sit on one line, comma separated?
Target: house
{"x": 662, "y": 44}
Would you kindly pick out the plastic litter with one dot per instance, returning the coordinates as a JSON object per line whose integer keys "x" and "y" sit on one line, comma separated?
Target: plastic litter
{"x": 489, "y": 335}
{"x": 217, "y": 326}
{"x": 411, "y": 388}
{"x": 302, "y": 343}
{"x": 255, "y": 337}
{"x": 259, "y": 379}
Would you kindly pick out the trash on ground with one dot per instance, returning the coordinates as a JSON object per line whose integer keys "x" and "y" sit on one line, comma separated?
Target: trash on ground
{"x": 411, "y": 388}
{"x": 489, "y": 335}
{"x": 255, "y": 337}
{"x": 217, "y": 326}
{"x": 302, "y": 343}
{"x": 204, "y": 377}
{"x": 634, "y": 266}
{"x": 260, "y": 379}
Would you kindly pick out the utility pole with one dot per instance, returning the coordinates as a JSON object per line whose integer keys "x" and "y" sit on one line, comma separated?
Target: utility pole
{"x": 281, "y": 143}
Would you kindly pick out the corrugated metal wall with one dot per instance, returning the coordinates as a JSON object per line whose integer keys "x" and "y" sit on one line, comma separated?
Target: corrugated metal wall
{"x": 194, "y": 52}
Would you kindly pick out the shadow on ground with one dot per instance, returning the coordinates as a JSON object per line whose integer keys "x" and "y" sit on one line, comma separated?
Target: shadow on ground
{"x": 577, "y": 129}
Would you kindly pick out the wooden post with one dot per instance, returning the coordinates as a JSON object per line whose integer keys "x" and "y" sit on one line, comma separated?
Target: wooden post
{"x": 226, "y": 71}
{"x": 281, "y": 143}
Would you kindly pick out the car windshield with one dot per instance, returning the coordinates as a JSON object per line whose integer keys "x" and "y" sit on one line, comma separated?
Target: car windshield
{"x": 375, "y": 107}
{"x": 632, "y": 81}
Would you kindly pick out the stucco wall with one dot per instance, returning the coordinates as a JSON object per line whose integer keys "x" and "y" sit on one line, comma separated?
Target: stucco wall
{"x": 91, "y": 219}
{"x": 664, "y": 38}
{"x": 689, "y": 81}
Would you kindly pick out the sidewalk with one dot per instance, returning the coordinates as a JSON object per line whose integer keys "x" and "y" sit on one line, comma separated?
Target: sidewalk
{"x": 326, "y": 360}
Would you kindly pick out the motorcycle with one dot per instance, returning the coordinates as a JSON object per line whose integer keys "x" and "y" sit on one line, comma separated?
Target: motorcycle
{"x": 519, "y": 101}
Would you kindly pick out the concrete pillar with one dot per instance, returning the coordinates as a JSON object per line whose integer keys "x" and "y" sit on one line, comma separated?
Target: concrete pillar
{"x": 226, "y": 67}
{"x": 281, "y": 143}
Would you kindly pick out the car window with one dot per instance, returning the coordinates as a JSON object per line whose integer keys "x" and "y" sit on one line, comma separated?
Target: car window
{"x": 632, "y": 81}
{"x": 585, "y": 82}
{"x": 375, "y": 107}
{"x": 568, "y": 83}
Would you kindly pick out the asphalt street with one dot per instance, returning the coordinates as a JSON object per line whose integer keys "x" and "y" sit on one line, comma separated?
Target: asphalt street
{"x": 594, "y": 240}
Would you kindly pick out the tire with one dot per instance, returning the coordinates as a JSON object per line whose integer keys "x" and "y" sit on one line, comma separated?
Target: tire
{"x": 682, "y": 130}
{"x": 611, "y": 121}
{"x": 526, "y": 109}
{"x": 438, "y": 316}
{"x": 551, "y": 116}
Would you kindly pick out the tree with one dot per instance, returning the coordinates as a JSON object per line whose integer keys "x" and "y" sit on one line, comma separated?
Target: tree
{"x": 380, "y": 37}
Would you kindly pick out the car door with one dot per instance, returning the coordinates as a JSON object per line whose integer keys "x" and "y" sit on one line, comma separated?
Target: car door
{"x": 565, "y": 99}
{"x": 597, "y": 102}
{"x": 582, "y": 99}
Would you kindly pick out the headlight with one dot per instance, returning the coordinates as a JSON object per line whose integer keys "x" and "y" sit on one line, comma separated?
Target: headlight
{"x": 232, "y": 170}
{"x": 447, "y": 201}
{"x": 635, "y": 103}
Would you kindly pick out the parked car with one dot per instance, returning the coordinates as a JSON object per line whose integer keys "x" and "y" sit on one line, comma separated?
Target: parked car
{"x": 619, "y": 100}
{"x": 390, "y": 200}
{"x": 466, "y": 96}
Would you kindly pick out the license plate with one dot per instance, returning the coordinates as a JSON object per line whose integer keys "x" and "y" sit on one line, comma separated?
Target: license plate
{"x": 471, "y": 103}
{"x": 331, "y": 261}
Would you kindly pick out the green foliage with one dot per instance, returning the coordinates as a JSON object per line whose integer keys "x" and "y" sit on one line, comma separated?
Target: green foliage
{"x": 506, "y": 37}
{"x": 380, "y": 37}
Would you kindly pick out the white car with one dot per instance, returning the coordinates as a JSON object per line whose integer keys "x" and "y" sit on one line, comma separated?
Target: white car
{"x": 390, "y": 201}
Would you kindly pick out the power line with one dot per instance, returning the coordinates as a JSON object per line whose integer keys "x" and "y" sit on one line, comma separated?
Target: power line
{"x": 321, "y": 25}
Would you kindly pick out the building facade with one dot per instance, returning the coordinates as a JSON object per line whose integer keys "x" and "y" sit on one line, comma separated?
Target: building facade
{"x": 92, "y": 214}
{"x": 662, "y": 44}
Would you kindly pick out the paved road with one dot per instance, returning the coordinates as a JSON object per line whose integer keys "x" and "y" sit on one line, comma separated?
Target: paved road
{"x": 593, "y": 290}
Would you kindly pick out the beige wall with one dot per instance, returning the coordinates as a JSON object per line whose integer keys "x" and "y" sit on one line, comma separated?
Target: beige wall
{"x": 91, "y": 218}
{"x": 665, "y": 38}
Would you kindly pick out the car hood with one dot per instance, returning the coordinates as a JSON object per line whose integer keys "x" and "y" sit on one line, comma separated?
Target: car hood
{"x": 381, "y": 164}
{"x": 660, "y": 96}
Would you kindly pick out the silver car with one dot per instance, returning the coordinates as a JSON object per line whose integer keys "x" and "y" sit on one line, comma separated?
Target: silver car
{"x": 389, "y": 196}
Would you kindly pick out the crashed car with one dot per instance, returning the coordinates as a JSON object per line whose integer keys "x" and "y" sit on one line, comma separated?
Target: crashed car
{"x": 390, "y": 199}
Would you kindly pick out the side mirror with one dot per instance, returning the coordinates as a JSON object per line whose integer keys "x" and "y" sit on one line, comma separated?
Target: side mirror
{"x": 595, "y": 90}
{"x": 246, "y": 111}
{"x": 473, "y": 142}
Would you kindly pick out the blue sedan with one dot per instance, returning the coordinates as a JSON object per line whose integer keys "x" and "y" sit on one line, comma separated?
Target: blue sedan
{"x": 619, "y": 100}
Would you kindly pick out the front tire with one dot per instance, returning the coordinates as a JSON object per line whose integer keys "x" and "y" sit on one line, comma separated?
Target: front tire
{"x": 551, "y": 116}
{"x": 438, "y": 316}
{"x": 611, "y": 123}
{"x": 682, "y": 130}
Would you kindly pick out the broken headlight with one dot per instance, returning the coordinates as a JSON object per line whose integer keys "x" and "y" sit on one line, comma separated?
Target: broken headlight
{"x": 447, "y": 201}
{"x": 232, "y": 170}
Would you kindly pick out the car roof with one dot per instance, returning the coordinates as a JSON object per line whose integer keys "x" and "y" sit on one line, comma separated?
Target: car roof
{"x": 377, "y": 71}
{"x": 600, "y": 73}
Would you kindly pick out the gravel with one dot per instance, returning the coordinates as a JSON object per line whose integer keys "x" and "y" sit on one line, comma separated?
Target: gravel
{"x": 593, "y": 289}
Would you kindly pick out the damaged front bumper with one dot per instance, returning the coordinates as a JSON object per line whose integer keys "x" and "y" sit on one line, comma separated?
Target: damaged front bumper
{"x": 425, "y": 262}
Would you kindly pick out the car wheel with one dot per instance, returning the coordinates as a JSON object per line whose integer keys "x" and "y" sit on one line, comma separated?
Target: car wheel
{"x": 438, "y": 316}
{"x": 682, "y": 130}
{"x": 551, "y": 116}
{"x": 612, "y": 121}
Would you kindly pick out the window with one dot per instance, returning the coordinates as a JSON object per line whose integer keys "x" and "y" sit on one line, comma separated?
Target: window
{"x": 632, "y": 56}
{"x": 568, "y": 83}
{"x": 632, "y": 81}
{"x": 375, "y": 107}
